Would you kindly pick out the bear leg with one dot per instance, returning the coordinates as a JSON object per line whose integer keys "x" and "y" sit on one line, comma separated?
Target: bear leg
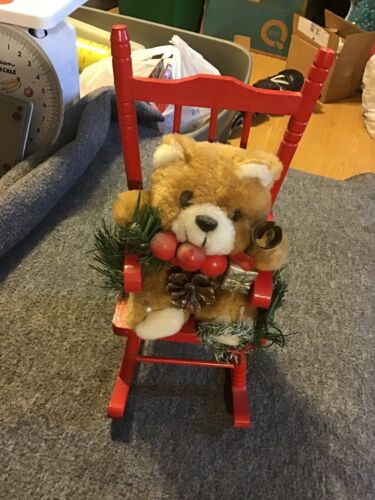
{"x": 162, "y": 323}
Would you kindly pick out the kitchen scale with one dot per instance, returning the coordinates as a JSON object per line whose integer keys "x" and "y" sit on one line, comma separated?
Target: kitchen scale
{"x": 38, "y": 73}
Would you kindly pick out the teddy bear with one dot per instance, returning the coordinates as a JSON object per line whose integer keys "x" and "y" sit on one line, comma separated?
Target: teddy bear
{"x": 210, "y": 196}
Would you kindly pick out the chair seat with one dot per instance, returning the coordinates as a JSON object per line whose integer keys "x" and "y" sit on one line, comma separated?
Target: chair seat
{"x": 187, "y": 334}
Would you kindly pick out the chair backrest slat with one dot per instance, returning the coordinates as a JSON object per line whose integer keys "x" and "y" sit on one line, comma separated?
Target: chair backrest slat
{"x": 209, "y": 91}
{"x": 212, "y": 127}
{"x": 215, "y": 92}
{"x": 246, "y": 129}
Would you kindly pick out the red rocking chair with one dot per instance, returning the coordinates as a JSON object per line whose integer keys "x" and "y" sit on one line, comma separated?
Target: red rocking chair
{"x": 215, "y": 92}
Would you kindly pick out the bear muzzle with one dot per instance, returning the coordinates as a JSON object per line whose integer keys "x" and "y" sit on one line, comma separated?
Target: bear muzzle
{"x": 205, "y": 225}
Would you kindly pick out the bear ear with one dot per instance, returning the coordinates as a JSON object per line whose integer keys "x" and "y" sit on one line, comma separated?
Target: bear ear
{"x": 174, "y": 147}
{"x": 266, "y": 167}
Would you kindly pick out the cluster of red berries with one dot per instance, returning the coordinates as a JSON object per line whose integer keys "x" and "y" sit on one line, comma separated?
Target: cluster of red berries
{"x": 189, "y": 257}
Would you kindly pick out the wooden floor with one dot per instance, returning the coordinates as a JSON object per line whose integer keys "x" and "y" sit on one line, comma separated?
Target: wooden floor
{"x": 335, "y": 144}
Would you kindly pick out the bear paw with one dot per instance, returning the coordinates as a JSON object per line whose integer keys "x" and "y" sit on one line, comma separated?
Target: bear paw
{"x": 159, "y": 324}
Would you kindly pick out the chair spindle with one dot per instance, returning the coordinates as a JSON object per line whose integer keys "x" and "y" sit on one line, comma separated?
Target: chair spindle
{"x": 246, "y": 129}
{"x": 212, "y": 127}
{"x": 177, "y": 119}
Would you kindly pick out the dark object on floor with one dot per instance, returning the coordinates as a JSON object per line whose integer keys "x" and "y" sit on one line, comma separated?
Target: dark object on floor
{"x": 312, "y": 434}
{"x": 238, "y": 119}
{"x": 288, "y": 79}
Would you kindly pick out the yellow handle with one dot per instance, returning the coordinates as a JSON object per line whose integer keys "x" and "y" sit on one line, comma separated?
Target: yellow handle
{"x": 90, "y": 52}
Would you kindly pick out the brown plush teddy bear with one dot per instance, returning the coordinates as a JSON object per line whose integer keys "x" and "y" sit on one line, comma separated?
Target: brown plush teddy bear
{"x": 212, "y": 196}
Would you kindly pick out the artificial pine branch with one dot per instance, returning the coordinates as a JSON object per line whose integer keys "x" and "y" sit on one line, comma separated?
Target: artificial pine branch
{"x": 109, "y": 255}
{"x": 209, "y": 330}
{"x": 111, "y": 243}
{"x": 264, "y": 327}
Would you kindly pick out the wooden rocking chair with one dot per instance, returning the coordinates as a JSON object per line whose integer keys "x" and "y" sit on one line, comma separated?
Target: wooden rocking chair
{"x": 217, "y": 93}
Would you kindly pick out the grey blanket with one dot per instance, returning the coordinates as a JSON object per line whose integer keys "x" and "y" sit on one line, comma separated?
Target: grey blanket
{"x": 34, "y": 186}
{"x": 312, "y": 403}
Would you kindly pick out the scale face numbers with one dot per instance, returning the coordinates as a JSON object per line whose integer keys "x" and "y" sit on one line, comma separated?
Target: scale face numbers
{"x": 27, "y": 73}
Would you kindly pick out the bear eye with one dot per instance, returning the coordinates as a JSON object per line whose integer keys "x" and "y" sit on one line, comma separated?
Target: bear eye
{"x": 186, "y": 198}
{"x": 236, "y": 215}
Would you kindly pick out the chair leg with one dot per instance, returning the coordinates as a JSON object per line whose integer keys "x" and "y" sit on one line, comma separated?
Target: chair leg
{"x": 124, "y": 379}
{"x": 241, "y": 412}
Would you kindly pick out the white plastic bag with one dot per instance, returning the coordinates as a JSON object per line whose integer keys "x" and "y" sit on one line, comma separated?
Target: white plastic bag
{"x": 187, "y": 62}
{"x": 178, "y": 60}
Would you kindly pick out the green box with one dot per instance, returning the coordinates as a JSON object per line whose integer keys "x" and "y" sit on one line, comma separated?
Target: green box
{"x": 268, "y": 23}
{"x": 185, "y": 14}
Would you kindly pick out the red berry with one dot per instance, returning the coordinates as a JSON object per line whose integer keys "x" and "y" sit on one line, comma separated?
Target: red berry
{"x": 247, "y": 262}
{"x": 214, "y": 265}
{"x": 163, "y": 245}
{"x": 190, "y": 257}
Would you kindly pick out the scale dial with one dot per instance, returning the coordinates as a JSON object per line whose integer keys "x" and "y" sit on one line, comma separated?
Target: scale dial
{"x": 26, "y": 72}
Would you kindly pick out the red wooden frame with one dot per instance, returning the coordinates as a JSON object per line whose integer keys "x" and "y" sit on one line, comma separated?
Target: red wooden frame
{"x": 215, "y": 92}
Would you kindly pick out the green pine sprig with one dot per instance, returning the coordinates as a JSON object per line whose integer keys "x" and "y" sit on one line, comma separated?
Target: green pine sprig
{"x": 112, "y": 241}
{"x": 109, "y": 256}
{"x": 209, "y": 330}
{"x": 265, "y": 323}
{"x": 264, "y": 327}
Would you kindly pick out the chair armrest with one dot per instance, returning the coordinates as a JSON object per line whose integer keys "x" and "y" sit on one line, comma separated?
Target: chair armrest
{"x": 261, "y": 292}
{"x": 132, "y": 274}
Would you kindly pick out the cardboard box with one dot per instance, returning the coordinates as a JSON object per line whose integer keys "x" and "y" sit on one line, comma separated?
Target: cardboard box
{"x": 351, "y": 44}
{"x": 267, "y": 22}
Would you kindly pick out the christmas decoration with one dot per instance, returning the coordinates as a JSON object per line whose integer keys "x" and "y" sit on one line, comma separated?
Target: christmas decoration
{"x": 214, "y": 265}
{"x": 163, "y": 245}
{"x": 267, "y": 235}
{"x": 247, "y": 262}
{"x": 111, "y": 243}
{"x": 190, "y": 257}
{"x": 190, "y": 291}
{"x": 210, "y": 210}
{"x": 238, "y": 280}
{"x": 264, "y": 332}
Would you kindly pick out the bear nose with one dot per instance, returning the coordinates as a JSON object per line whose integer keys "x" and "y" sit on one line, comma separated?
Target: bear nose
{"x": 206, "y": 223}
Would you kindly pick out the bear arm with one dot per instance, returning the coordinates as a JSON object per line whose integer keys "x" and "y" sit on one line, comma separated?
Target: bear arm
{"x": 270, "y": 260}
{"x": 123, "y": 208}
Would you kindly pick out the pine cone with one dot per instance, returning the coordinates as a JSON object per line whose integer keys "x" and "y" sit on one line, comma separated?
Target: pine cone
{"x": 190, "y": 290}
